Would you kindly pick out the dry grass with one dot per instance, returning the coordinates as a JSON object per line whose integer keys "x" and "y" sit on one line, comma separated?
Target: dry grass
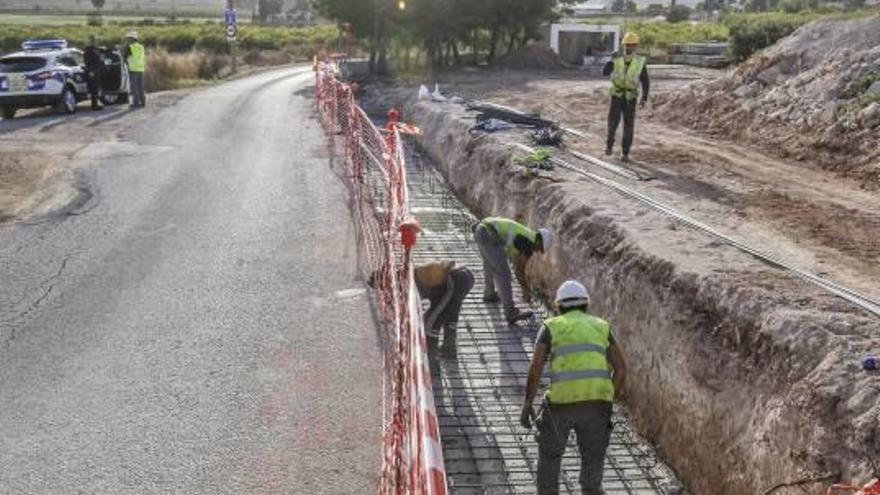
{"x": 178, "y": 70}
{"x": 27, "y": 181}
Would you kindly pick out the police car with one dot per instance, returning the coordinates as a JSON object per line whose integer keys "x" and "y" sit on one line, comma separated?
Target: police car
{"x": 45, "y": 72}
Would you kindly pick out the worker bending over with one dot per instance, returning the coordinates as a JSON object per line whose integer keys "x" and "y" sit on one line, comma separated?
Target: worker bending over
{"x": 627, "y": 70}
{"x": 445, "y": 286}
{"x": 500, "y": 239}
{"x": 586, "y": 369}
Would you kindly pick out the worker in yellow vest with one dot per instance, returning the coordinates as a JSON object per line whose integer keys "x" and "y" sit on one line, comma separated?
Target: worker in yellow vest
{"x": 499, "y": 240}
{"x": 587, "y": 371}
{"x": 136, "y": 59}
{"x": 627, "y": 70}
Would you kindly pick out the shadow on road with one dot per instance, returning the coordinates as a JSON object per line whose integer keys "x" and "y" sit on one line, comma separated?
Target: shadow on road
{"x": 48, "y": 118}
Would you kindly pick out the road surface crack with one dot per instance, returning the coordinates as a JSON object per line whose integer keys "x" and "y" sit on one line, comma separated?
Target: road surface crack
{"x": 46, "y": 288}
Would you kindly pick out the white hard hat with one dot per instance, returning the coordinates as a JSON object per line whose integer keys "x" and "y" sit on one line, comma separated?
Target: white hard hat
{"x": 132, "y": 34}
{"x": 546, "y": 238}
{"x": 572, "y": 293}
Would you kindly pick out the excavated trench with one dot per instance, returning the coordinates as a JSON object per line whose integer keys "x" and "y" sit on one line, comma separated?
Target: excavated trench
{"x": 478, "y": 394}
{"x": 742, "y": 375}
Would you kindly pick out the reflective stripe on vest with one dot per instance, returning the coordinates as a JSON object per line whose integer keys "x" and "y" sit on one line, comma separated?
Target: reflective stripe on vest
{"x": 137, "y": 61}
{"x": 566, "y": 376}
{"x": 579, "y": 369}
{"x": 507, "y": 231}
{"x": 625, "y": 80}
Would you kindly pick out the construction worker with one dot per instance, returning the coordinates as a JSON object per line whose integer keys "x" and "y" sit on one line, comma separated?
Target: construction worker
{"x": 587, "y": 370}
{"x": 445, "y": 286}
{"x": 627, "y": 70}
{"x": 500, "y": 239}
{"x": 136, "y": 59}
{"x": 94, "y": 63}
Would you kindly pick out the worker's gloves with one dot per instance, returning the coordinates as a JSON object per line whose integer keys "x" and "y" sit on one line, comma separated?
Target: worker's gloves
{"x": 527, "y": 416}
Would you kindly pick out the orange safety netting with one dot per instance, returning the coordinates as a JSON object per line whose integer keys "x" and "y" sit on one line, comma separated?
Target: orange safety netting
{"x": 374, "y": 166}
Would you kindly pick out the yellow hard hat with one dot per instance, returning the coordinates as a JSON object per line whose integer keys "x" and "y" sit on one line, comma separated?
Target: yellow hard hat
{"x": 631, "y": 38}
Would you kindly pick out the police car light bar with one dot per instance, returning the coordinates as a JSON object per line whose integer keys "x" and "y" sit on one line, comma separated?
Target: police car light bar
{"x": 34, "y": 45}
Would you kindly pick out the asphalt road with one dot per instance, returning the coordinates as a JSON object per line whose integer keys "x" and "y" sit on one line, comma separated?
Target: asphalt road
{"x": 192, "y": 323}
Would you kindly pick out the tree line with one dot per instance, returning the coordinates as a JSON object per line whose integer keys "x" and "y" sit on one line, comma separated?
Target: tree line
{"x": 447, "y": 30}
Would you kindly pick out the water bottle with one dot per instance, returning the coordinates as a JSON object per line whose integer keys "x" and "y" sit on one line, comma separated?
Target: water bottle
{"x": 869, "y": 363}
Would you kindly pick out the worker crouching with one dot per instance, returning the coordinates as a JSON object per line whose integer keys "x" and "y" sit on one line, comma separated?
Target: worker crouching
{"x": 500, "y": 240}
{"x": 445, "y": 286}
{"x": 587, "y": 369}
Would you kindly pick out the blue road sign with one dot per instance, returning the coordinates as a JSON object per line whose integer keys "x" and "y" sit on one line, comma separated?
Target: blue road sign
{"x": 230, "y": 17}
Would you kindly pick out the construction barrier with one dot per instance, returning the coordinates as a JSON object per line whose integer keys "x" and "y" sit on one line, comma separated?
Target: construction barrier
{"x": 374, "y": 166}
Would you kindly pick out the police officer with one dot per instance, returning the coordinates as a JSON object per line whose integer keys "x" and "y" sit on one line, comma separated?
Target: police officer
{"x": 446, "y": 287}
{"x": 627, "y": 70}
{"x": 500, "y": 239}
{"x": 136, "y": 59}
{"x": 94, "y": 71}
{"x": 587, "y": 369}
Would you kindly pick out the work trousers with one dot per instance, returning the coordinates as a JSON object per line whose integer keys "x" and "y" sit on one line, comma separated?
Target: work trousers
{"x": 626, "y": 108}
{"x": 136, "y": 86}
{"x": 446, "y": 304}
{"x": 93, "y": 83}
{"x": 591, "y": 423}
{"x": 496, "y": 269}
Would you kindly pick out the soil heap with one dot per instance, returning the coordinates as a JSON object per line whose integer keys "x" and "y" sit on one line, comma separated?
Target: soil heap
{"x": 814, "y": 95}
{"x": 531, "y": 57}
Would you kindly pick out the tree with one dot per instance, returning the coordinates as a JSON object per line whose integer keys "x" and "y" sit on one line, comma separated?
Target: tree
{"x": 98, "y": 4}
{"x": 269, "y": 7}
{"x": 678, "y": 13}
{"x": 444, "y": 27}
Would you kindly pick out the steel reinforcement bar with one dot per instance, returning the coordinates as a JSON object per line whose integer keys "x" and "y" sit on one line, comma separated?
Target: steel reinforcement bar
{"x": 478, "y": 395}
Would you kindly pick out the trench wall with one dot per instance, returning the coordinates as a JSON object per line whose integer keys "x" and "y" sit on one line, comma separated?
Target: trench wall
{"x": 743, "y": 377}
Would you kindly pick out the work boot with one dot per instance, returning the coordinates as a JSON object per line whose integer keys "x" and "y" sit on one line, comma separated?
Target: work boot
{"x": 609, "y": 150}
{"x": 491, "y": 298}
{"x": 96, "y": 108}
{"x": 433, "y": 351}
{"x": 624, "y": 158}
{"x": 449, "y": 350}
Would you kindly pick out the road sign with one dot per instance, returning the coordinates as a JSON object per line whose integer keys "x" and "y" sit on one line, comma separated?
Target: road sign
{"x": 231, "y": 25}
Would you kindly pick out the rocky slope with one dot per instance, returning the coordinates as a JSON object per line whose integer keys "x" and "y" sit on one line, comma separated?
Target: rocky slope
{"x": 815, "y": 95}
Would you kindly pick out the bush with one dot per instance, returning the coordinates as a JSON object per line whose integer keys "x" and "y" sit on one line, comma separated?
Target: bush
{"x": 791, "y": 6}
{"x": 795, "y": 6}
{"x": 660, "y": 35}
{"x": 175, "y": 38}
{"x": 750, "y": 33}
{"x": 678, "y": 13}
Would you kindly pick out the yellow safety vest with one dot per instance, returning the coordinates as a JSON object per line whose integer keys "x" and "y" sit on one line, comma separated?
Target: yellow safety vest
{"x": 137, "y": 61}
{"x": 625, "y": 80}
{"x": 507, "y": 230}
{"x": 579, "y": 359}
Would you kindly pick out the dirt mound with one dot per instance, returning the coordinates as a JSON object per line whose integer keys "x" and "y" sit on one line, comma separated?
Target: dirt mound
{"x": 531, "y": 57}
{"x": 815, "y": 95}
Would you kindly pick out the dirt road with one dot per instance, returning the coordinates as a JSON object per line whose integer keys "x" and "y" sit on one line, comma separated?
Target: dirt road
{"x": 793, "y": 208}
{"x": 189, "y": 321}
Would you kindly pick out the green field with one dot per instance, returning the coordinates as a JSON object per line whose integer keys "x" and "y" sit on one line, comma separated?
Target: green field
{"x": 205, "y": 36}
{"x": 82, "y": 19}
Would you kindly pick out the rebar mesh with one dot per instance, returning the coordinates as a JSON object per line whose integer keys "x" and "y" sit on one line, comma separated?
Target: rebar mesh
{"x": 478, "y": 395}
